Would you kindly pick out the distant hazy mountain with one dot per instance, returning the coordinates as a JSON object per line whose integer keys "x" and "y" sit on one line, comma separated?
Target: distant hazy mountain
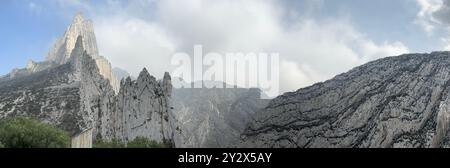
{"x": 120, "y": 73}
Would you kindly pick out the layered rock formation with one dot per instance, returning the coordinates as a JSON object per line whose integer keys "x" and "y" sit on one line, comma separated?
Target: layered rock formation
{"x": 392, "y": 102}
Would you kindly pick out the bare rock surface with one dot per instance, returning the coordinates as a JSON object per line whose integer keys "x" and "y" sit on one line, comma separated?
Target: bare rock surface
{"x": 392, "y": 102}
{"x": 213, "y": 117}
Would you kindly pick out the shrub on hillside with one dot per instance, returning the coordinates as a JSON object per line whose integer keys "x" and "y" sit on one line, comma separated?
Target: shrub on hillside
{"x": 139, "y": 142}
{"x": 23, "y": 132}
{"x": 114, "y": 143}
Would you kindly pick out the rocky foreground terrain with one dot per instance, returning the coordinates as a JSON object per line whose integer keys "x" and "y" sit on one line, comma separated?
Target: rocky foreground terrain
{"x": 398, "y": 101}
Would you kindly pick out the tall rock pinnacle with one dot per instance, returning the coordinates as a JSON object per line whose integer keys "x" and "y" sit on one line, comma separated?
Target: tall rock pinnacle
{"x": 63, "y": 48}
{"x": 61, "y": 51}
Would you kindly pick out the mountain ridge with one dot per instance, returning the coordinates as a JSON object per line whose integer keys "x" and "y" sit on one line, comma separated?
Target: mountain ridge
{"x": 391, "y": 102}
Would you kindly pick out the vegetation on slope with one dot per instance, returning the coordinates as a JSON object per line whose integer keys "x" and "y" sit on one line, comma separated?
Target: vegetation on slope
{"x": 139, "y": 142}
{"x": 23, "y": 132}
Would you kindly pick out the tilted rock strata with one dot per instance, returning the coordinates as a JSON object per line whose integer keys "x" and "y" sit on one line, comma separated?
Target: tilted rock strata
{"x": 392, "y": 102}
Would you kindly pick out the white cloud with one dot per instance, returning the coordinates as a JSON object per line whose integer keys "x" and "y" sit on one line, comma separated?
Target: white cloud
{"x": 323, "y": 50}
{"x": 447, "y": 44}
{"x": 435, "y": 15}
{"x": 425, "y": 17}
{"x": 310, "y": 50}
{"x": 132, "y": 44}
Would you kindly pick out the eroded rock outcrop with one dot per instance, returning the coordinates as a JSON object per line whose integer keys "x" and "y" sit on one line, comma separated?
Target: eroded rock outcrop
{"x": 141, "y": 109}
{"x": 392, "y": 102}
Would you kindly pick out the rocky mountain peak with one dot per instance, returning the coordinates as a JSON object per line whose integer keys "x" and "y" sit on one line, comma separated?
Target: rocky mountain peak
{"x": 78, "y": 18}
{"x": 31, "y": 65}
{"x": 64, "y": 46}
{"x": 144, "y": 75}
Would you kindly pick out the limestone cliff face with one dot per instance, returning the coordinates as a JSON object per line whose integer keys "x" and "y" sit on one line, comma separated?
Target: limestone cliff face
{"x": 141, "y": 109}
{"x": 62, "y": 49}
{"x": 105, "y": 70}
{"x": 392, "y": 102}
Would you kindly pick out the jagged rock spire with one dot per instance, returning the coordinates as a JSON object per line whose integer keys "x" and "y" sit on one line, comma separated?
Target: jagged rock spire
{"x": 61, "y": 53}
{"x": 63, "y": 47}
{"x": 167, "y": 84}
{"x": 78, "y": 18}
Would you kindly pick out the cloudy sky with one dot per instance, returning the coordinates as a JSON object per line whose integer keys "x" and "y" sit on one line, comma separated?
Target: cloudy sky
{"x": 316, "y": 39}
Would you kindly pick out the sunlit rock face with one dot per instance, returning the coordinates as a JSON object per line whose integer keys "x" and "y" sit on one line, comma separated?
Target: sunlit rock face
{"x": 392, "y": 102}
{"x": 63, "y": 47}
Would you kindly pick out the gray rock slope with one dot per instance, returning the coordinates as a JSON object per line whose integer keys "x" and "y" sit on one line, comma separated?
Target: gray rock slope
{"x": 48, "y": 95}
{"x": 58, "y": 95}
{"x": 398, "y": 101}
{"x": 120, "y": 73}
{"x": 213, "y": 117}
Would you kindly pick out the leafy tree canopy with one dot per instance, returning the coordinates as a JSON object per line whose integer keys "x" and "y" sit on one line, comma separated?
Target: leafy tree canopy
{"x": 23, "y": 132}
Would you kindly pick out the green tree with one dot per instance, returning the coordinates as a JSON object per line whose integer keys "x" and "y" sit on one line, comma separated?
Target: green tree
{"x": 114, "y": 143}
{"x": 141, "y": 142}
{"x": 23, "y": 132}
